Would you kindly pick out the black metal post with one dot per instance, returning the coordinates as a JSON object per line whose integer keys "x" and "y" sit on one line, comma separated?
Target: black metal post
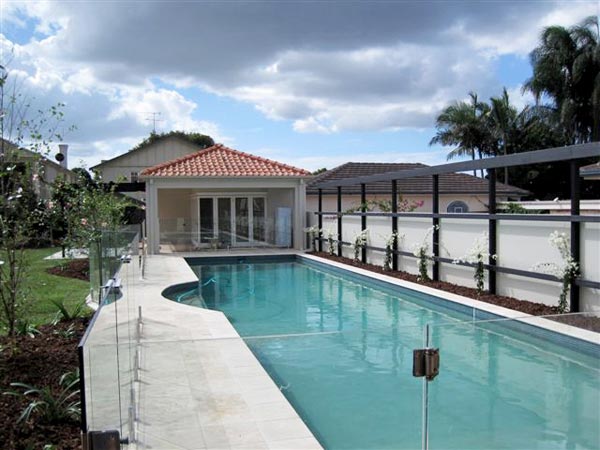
{"x": 363, "y": 218}
{"x": 320, "y": 220}
{"x": 395, "y": 223}
{"x": 492, "y": 247}
{"x": 436, "y": 225}
{"x": 575, "y": 229}
{"x": 339, "y": 220}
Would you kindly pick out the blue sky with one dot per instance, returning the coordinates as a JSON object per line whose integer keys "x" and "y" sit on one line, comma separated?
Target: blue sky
{"x": 313, "y": 84}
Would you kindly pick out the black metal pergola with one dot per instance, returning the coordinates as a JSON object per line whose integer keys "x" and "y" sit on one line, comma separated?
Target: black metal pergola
{"x": 573, "y": 154}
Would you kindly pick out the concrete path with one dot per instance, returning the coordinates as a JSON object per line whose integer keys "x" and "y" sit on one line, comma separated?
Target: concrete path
{"x": 201, "y": 387}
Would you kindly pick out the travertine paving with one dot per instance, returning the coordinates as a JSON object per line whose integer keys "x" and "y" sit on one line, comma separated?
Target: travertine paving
{"x": 201, "y": 387}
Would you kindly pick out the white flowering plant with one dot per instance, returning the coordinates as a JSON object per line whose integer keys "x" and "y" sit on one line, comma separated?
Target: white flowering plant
{"x": 391, "y": 241}
{"x": 331, "y": 242}
{"x": 421, "y": 251}
{"x": 360, "y": 242}
{"x": 314, "y": 232}
{"x": 477, "y": 255}
{"x": 567, "y": 271}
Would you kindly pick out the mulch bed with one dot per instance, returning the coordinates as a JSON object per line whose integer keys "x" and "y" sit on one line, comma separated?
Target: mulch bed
{"x": 525, "y": 306}
{"x": 39, "y": 361}
{"x": 74, "y": 268}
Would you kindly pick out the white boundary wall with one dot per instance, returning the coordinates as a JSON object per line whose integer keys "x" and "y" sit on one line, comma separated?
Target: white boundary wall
{"x": 520, "y": 245}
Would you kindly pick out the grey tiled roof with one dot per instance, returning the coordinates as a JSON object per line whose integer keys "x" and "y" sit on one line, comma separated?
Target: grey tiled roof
{"x": 452, "y": 183}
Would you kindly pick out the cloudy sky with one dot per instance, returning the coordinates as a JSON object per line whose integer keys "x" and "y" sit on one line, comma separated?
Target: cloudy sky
{"x": 311, "y": 83}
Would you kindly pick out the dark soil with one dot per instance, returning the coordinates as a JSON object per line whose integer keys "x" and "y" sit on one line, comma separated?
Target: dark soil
{"x": 525, "y": 306}
{"x": 74, "y": 268}
{"x": 39, "y": 361}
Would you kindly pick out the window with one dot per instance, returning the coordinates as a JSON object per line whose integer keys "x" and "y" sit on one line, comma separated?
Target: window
{"x": 134, "y": 177}
{"x": 458, "y": 207}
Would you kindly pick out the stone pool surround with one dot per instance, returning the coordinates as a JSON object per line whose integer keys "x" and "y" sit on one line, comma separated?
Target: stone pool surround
{"x": 201, "y": 386}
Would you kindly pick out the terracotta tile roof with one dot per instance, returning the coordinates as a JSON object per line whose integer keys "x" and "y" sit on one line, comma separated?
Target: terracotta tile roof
{"x": 221, "y": 161}
{"x": 451, "y": 183}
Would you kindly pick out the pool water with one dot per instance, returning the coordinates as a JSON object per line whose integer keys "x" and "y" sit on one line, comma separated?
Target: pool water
{"x": 341, "y": 351}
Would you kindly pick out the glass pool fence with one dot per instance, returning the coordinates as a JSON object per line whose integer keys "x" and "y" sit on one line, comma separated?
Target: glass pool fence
{"x": 109, "y": 350}
{"x": 525, "y": 382}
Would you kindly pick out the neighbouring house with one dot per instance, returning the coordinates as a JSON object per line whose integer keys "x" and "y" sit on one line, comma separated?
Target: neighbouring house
{"x": 590, "y": 172}
{"x": 128, "y": 166}
{"x": 557, "y": 206}
{"x": 459, "y": 192}
{"x": 219, "y": 197}
{"x": 48, "y": 171}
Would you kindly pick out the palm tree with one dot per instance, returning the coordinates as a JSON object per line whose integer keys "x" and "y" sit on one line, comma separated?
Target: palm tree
{"x": 566, "y": 70}
{"x": 462, "y": 124}
{"x": 503, "y": 119}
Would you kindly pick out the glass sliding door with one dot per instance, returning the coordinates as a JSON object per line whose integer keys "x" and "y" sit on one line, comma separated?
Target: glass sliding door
{"x": 242, "y": 222}
{"x": 224, "y": 221}
{"x": 258, "y": 219}
{"x": 207, "y": 224}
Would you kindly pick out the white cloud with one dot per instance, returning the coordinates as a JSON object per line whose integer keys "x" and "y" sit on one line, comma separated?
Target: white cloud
{"x": 324, "y": 66}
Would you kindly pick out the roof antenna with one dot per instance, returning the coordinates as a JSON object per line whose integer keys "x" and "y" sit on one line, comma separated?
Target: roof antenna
{"x": 154, "y": 119}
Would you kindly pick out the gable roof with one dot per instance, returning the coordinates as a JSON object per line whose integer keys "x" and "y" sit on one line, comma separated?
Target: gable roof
{"x": 222, "y": 161}
{"x": 26, "y": 153}
{"x": 142, "y": 148}
{"x": 452, "y": 183}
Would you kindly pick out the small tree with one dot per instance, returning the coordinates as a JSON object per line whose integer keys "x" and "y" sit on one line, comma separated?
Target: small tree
{"x": 24, "y": 138}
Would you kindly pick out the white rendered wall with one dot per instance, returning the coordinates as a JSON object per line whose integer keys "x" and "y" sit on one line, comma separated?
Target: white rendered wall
{"x": 520, "y": 245}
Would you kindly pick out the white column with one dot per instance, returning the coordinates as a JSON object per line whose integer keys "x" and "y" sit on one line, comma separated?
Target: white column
{"x": 152, "y": 217}
{"x": 299, "y": 215}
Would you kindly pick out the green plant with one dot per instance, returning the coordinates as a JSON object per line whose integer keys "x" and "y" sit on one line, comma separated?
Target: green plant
{"x": 314, "y": 233}
{"x": 421, "y": 251}
{"x": 48, "y": 407}
{"x": 331, "y": 243}
{"x": 360, "y": 242}
{"x": 391, "y": 242}
{"x": 567, "y": 271}
{"x": 68, "y": 333}
{"x": 477, "y": 256}
{"x": 63, "y": 312}
{"x": 26, "y": 328}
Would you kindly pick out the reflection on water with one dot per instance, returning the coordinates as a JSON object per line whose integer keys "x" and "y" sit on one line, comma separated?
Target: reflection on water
{"x": 342, "y": 353}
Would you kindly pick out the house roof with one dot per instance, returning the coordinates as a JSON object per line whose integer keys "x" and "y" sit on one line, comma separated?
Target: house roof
{"x": 590, "y": 169}
{"x": 452, "y": 183}
{"x": 26, "y": 153}
{"x": 142, "y": 148}
{"x": 222, "y": 161}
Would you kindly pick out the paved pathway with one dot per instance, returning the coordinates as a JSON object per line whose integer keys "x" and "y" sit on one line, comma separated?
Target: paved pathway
{"x": 201, "y": 387}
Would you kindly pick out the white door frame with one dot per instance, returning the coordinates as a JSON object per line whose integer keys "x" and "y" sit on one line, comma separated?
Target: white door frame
{"x": 232, "y": 196}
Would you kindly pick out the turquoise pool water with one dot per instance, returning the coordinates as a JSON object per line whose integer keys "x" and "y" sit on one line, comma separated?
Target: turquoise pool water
{"x": 341, "y": 351}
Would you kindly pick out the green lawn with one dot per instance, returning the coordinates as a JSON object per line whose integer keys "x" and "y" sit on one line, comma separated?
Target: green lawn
{"x": 43, "y": 288}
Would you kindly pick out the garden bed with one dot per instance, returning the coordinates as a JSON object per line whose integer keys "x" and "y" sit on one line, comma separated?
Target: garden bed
{"x": 74, "y": 268}
{"x": 535, "y": 309}
{"x": 39, "y": 361}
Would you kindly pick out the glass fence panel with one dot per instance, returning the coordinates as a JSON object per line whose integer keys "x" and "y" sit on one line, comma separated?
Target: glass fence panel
{"x": 527, "y": 382}
{"x": 109, "y": 346}
{"x": 263, "y": 234}
{"x": 101, "y": 368}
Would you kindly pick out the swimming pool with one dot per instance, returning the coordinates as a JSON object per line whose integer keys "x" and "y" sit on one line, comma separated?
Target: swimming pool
{"x": 340, "y": 348}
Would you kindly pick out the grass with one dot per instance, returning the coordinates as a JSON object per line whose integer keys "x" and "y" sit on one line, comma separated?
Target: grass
{"x": 44, "y": 288}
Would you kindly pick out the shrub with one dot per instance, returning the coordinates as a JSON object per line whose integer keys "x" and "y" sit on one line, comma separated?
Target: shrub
{"x": 47, "y": 407}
